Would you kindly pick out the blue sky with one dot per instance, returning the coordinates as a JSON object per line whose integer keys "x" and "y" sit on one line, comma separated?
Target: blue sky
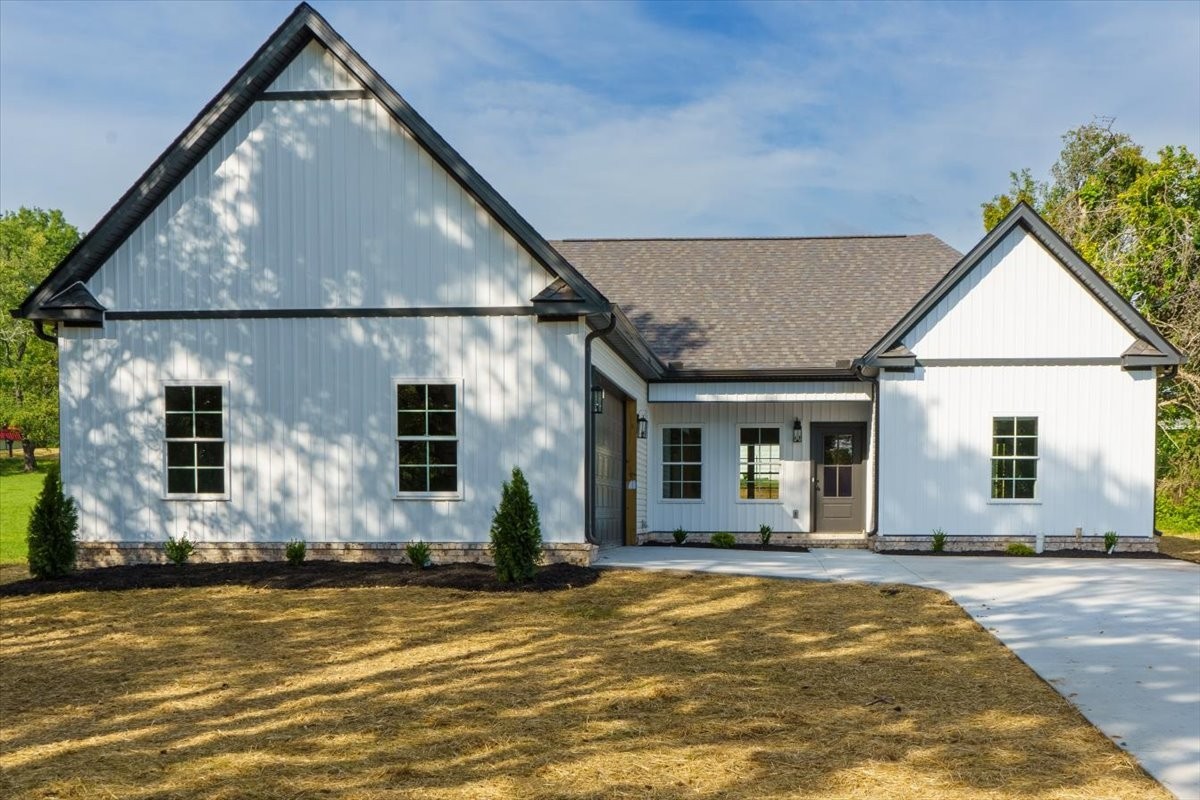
{"x": 638, "y": 119}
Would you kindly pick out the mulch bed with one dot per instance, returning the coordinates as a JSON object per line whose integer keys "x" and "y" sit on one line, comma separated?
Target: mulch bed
{"x": 309, "y": 575}
{"x": 1047, "y": 554}
{"x": 781, "y": 548}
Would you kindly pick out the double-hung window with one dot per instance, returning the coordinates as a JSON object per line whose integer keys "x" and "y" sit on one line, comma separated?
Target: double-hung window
{"x": 758, "y": 464}
{"x": 1014, "y": 458}
{"x": 681, "y": 463}
{"x": 427, "y": 431}
{"x": 195, "y": 439}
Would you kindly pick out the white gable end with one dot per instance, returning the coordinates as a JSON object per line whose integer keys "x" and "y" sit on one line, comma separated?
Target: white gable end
{"x": 1019, "y": 302}
{"x": 314, "y": 69}
{"x": 317, "y": 204}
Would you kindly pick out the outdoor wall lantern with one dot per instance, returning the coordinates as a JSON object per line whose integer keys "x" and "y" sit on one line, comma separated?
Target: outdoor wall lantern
{"x": 597, "y": 399}
{"x": 642, "y": 425}
{"x": 797, "y": 432}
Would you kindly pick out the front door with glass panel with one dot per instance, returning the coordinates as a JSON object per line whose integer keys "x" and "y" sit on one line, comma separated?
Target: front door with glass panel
{"x": 839, "y": 477}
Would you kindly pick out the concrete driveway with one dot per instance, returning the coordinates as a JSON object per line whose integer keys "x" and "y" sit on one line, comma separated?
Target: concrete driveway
{"x": 1118, "y": 638}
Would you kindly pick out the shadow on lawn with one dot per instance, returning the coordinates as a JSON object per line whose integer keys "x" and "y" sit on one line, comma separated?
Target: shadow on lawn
{"x": 640, "y": 685}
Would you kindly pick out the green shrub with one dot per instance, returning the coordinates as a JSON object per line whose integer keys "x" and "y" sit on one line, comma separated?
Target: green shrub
{"x": 1018, "y": 549}
{"x": 178, "y": 550}
{"x": 764, "y": 534}
{"x": 51, "y": 531}
{"x": 418, "y": 554}
{"x": 1110, "y": 540}
{"x": 516, "y": 531}
{"x": 295, "y": 552}
{"x": 723, "y": 540}
{"x": 680, "y": 535}
{"x": 939, "y": 540}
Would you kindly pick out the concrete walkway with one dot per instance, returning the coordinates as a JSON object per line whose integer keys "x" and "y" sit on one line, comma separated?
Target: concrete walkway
{"x": 1118, "y": 638}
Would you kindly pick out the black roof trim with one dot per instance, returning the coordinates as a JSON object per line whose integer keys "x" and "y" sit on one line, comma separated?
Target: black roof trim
{"x": 729, "y": 375}
{"x": 1025, "y": 217}
{"x": 302, "y": 26}
{"x": 557, "y": 292}
{"x": 741, "y": 238}
{"x": 73, "y": 304}
{"x": 628, "y": 343}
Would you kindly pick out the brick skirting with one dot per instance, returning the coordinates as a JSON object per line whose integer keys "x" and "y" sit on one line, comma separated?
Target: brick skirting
{"x": 110, "y": 554}
{"x": 1143, "y": 544}
{"x": 850, "y": 541}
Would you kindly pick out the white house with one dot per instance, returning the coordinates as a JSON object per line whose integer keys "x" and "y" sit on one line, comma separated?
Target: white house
{"x": 311, "y": 318}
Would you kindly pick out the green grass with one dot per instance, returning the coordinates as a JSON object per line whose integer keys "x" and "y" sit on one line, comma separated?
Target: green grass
{"x": 18, "y": 491}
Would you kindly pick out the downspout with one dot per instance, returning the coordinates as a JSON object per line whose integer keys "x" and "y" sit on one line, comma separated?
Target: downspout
{"x": 40, "y": 332}
{"x": 861, "y": 371}
{"x": 589, "y": 425}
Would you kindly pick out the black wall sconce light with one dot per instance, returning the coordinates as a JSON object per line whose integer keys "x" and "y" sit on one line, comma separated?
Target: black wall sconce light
{"x": 642, "y": 425}
{"x": 597, "y": 399}
{"x": 797, "y": 432}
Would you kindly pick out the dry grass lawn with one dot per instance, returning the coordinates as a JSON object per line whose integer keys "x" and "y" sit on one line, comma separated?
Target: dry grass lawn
{"x": 642, "y": 685}
{"x": 1185, "y": 547}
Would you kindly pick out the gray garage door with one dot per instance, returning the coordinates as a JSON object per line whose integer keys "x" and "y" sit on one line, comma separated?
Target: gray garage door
{"x": 609, "y": 472}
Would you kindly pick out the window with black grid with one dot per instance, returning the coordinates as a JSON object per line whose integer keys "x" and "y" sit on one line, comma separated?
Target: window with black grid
{"x": 681, "y": 467}
{"x": 195, "y": 439}
{"x": 758, "y": 464}
{"x": 427, "y": 438}
{"x": 1014, "y": 458}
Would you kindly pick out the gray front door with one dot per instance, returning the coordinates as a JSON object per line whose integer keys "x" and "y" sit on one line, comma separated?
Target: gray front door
{"x": 839, "y": 477}
{"x": 609, "y": 472}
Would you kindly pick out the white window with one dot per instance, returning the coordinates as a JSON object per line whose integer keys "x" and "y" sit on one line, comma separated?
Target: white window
{"x": 1014, "y": 458}
{"x": 427, "y": 430}
{"x": 681, "y": 463}
{"x": 758, "y": 463}
{"x": 195, "y": 439}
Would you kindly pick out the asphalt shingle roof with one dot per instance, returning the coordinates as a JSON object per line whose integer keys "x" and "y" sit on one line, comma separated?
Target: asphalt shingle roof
{"x": 717, "y": 304}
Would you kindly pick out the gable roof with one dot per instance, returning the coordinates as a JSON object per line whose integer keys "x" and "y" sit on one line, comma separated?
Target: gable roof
{"x": 181, "y": 156}
{"x": 1152, "y": 348}
{"x": 791, "y": 306}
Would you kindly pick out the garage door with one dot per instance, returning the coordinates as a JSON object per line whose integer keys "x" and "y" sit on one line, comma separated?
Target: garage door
{"x": 609, "y": 472}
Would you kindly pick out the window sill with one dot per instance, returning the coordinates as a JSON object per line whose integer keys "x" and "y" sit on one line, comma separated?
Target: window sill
{"x": 192, "y": 498}
{"x": 452, "y": 496}
{"x": 1014, "y": 502}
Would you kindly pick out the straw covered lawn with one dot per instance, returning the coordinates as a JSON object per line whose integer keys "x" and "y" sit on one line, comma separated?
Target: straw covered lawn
{"x": 640, "y": 685}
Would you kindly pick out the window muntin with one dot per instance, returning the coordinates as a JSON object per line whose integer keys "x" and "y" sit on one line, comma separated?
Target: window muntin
{"x": 758, "y": 464}
{"x": 682, "y": 454}
{"x": 427, "y": 438}
{"x": 1014, "y": 458}
{"x": 194, "y": 428}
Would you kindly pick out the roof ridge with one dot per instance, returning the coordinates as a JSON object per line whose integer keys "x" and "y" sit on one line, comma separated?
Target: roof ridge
{"x": 743, "y": 238}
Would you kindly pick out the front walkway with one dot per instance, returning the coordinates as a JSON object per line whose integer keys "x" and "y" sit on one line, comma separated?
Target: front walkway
{"x": 1119, "y": 638}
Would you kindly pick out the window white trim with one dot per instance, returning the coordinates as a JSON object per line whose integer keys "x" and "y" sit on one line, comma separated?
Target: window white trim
{"x": 737, "y": 464}
{"x": 992, "y": 458}
{"x": 459, "y": 403}
{"x": 226, "y": 430}
{"x": 657, "y": 462}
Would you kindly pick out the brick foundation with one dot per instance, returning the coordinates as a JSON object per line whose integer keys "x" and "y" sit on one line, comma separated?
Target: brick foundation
{"x": 837, "y": 540}
{"x": 110, "y": 554}
{"x": 957, "y": 544}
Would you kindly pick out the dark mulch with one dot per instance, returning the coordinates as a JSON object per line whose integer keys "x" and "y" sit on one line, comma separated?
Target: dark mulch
{"x": 782, "y": 548}
{"x": 1047, "y": 554}
{"x": 309, "y": 575}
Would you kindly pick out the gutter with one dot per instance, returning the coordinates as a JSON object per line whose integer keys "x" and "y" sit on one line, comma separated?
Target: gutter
{"x": 40, "y": 332}
{"x": 589, "y": 425}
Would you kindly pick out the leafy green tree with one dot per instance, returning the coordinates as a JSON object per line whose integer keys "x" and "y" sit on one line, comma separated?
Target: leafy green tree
{"x": 516, "y": 531}
{"x": 32, "y": 242}
{"x": 52, "y": 530}
{"x": 1136, "y": 219}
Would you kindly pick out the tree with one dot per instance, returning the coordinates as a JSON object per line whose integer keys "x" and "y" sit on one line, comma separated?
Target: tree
{"x": 32, "y": 242}
{"x": 1137, "y": 221}
{"x": 516, "y": 531}
{"x": 52, "y": 530}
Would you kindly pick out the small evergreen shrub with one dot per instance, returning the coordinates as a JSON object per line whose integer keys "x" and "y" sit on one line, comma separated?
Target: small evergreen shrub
{"x": 1110, "y": 541}
{"x": 939, "y": 540}
{"x": 51, "y": 531}
{"x": 680, "y": 535}
{"x": 418, "y": 554}
{"x": 178, "y": 550}
{"x": 295, "y": 552}
{"x": 1018, "y": 549}
{"x": 764, "y": 534}
{"x": 723, "y": 540}
{"x": 516, "y": 531}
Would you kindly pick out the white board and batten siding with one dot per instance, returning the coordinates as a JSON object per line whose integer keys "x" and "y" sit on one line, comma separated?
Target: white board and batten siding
{"x": 628, "y": 381}
{"x": 720, "y": 508}
{"x": 320, "y": 204}
{"x": 1095, "y": 421}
